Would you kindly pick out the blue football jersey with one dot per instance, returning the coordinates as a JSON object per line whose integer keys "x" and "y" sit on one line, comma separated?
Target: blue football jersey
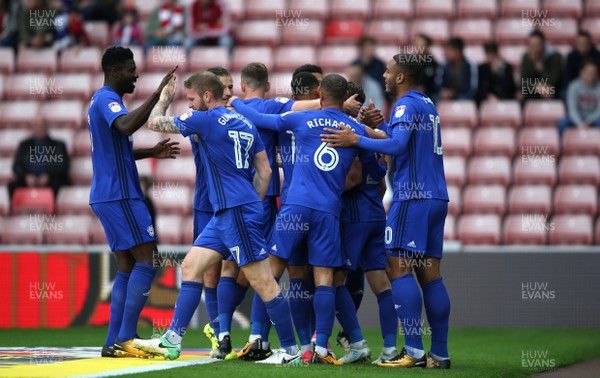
{"x": 201, "y": 199}
{"x": 228, "y": 142}
{"x": 278, "y": 105}
{"x": 115, "y": 176}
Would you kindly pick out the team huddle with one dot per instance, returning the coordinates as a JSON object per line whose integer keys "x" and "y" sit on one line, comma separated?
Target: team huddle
{"x": 330, "y": 231}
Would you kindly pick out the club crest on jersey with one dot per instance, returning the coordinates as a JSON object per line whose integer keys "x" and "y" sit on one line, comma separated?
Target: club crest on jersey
{"x": 400, "y": 111}
{"x": 150, "y": 230}
{"x": 114, "y": 107}
{"x": 185, "y": 116}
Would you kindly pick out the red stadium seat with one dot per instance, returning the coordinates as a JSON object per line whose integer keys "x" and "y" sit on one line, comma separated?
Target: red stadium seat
{"x": 576, "y": 199}
{"x": 84, "y": 59}
{"x": 388, "y": 31}
{"x": 597, "y": 238}
{"x": 311, "y": 34}
{"x": 434, "y": 8}
{"x": 473, "y": 31}
{"x": 18, "y": 113}
{"x": 202, "y": 58}
{"x": 495, "y": 141}
{"x": 67, "y": 136}
{"x": 280, "y": 85}
{"x": 97, "y": 232}
{"x": 592, "y": 9}
{"x": 266, "y": 9}
{"x": 530, "y": 199}
{"x": 73, "y": 86}
{"x": 581, "y": 142}
{"x": 579, "y": 170}
{"x": 24, "y": 229}
{"x": 455, "y": 204}
{"x": 519, "y": 7}
{"x": 164, "y": 58}
{"x": 566, "y": 8}
{"x": 257, "y": 32}
{"x": 392, "y": 9}
{"x": 477, "y": 8}
{"x": 6, "y": 173}
{"x": 592, "y": 25}
{"x": 70, "y": 229}
{"x": 146, "y": 138}
{"x": 73, "y": 200}
{"x": 530, "y": 229}
{"x": 450, "y": 228}
{"x": 27, "y": 86}
{"x": 146, "y": 85}
{"x": 437, "y": 29}
{"x": 181, "y": 170}
{"x": 336, "y": 58}
{"x": 479, "y": 229}
{"x": 145, "y": 167}
{"x": 543, "y": 112}
{"x": 171, "y": 198}
{"x": 564, "y": 30}
{"x": 81, "y": 171}
{"x": 10, "y": 139}
{"x": 339, "y": 31}
{"x": 7, "y": 60}
{"x": 67, "y": 113}
{"x": 290, "y": 57}
{"x": 484, "y": 199}
{"x": 457, "y": 113}
{"x": 454, "y": 169}
{"x": 513, "y": 55}
{"x": 245, "y": 55}
{"x": 235, "y": 8}
{"x": 168, "y": 229}
{"x": 535, "y": 169}
{"x": 313, "y": 10}
{"x": 352, "y": 9}
{"x": 83, "y": 145}
{"x": 489, "y": 170}
{"x": 38, "y": 60}
{"x": 187, "y": 230}
{"x": 457, "y": 141}
{"x": 99, "y": 33}
{"x": 4, "y": 201}
{"x": 512, "y": 30}
{"x": 500, "y": 113}
{"x": 33, "y": 200}
{"x": 571, "y": 230}
{"x": 539, "y": 141}
{"x": 386, "y": 52}
{"x": 2, "y": 87}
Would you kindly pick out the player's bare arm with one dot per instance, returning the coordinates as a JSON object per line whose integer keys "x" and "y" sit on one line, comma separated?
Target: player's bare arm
{"x": 161, "y": 150}
{"x": 345, "y": 137}
{"x": 354, "y": 176}
{"x": 131, "y": 122}
{"x": 158, "y": 119}
{"x": 262, "y": 175}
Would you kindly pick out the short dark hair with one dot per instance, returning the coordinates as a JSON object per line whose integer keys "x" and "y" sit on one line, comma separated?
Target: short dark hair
{"x": 491, "y": 48}
{"x": 334, "y": 86}
{"x": 456, "y": 43}
{"x": 303, "y": 82}
{"x": 365, "y": 41}
{"x": 584, "y": 33}
{"x": 354, "y": 88}
{"x": 310, "y": 68}
{"x": 219, "y": 71}
{"x": 538, "y": 33}
{"x": 115, "y": 56}
{"x": 205, "y": 81}
{"x": 589, "y": 62}
{"x": 426, "y": 38}
{"x": 255, "y": 75}
{"x": 410, "y": 67}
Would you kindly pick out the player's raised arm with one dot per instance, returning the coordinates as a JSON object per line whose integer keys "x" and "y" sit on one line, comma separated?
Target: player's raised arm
{"x": 131, "y": 122}
{"x": 158, "y": 120}
{"x": 344, "y": 137}
{"x": 351, "y": 105}
{"x": 263, "y": 173}
{"x": 266, "y": 121}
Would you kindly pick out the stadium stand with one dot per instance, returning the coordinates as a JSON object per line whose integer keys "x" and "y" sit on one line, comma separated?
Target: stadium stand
{"x": 74, "y": 229}
{"x": 33, "y": 200}
{"x": 495, "y": 141}
{"x": 530, "y": 199}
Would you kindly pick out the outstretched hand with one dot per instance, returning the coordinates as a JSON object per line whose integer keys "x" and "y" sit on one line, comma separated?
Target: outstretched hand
{"x": 166, "y": 79}
{"x": 168, "y": 92}
{"x": 344, "y": 137}
{"x": 165, "y": 149}
{"x": 352, "y": 105}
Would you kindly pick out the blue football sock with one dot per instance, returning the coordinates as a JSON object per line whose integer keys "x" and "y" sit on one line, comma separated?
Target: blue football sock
{"x": 279, "y": 313}
{"x": 138, "y": 289}
{"x": 324, "y": 305}
{"x": 210, "y": 300}
{"x": 188, "y": 300}
{"x": 258, "y": 316}
{"x": 437, "y": 306}
{"x": 300, "y": 298}
{"x": 407, "y": 296}
{"x": 355, "y": 283}
{"x": 346, "y": 314}
{"x": 388, "y": 321}
{"x": 117, "y": 305}
{"x": 229, "y": 296}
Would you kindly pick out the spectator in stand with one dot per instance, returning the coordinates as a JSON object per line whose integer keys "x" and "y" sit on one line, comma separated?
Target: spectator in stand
{"x": 583, "y": 99}
{"x": 68, "y": 26}
{"x": 427, "y": 81}
{"x": 496, "y": 80}
{"x": 99, "y": 10}
{"x": 540, "y": 69}
{"x": 208, "y": 24}
{"x": 129, "y": 32}
{"x": 370, "y": 87}
{"x": 584, "y": 50}
{"x": 36, "y": 25}
{"x": 371, "y": 64}
{"x": 40, "y": 161}
{"x": 166, "y": 25}
{"x": 9, "y": 23}
{"x": 457, "y": 78}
